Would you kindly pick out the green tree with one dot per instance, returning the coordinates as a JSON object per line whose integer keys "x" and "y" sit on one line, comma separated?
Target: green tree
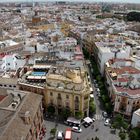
{"x": 133, "y": 135}
{"x": 133, "y": 16}
{"x": 86, "y": 53}
{"x": 78, "y": 115}
{"x": 108, "y": 107}
{"x": 125, "y": 125}
{"x": 51, "y": 109}
{"x": 119, "y": 122}
{"x": 66, "y": 113}
{"x": 53, "y": 132}
{"x": 98, "y": 77}
{"x": 92, "y": 107}
{"x": 122, "y": 135}
{"x": 115, "y": 125}
{"x": 105, "y": 99}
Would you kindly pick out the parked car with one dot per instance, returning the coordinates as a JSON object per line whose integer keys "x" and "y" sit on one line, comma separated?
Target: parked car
{"x": 96, "y": 85}
{"x": 94, "y": 81}
{"x": 76, "y": 129}
{"x": 98, "y": 90}
{"x": 93, "y": 119}
{"x": 107, "y": 122}
{"x": 98, "y": 94}
{"x": 86, "y": 124}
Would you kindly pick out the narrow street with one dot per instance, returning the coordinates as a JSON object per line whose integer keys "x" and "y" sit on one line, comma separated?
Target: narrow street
{"x": 99, "y": 106}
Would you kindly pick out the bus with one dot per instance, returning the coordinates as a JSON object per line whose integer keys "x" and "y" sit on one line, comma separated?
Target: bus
{"x": 73, "y": 122}
{"x": 68, "y": 134}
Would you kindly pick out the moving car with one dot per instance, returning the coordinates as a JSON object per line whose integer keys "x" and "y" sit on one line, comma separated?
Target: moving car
{"x": 106, "y": 123}
{"x": 76, "y": 129}
{"x": 68, "y": 134}
{"x": 60, "y": 135}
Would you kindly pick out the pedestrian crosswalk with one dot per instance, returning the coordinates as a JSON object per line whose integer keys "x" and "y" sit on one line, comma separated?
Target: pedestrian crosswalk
{"x": 99, "y": 117}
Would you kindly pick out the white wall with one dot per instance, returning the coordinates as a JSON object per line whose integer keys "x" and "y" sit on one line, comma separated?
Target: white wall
{"x": 104, "y": 58}
{"x": 135, "y": 119}
{"x": 10, "y": 62}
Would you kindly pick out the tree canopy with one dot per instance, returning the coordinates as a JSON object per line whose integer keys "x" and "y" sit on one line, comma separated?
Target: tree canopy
{"x": 133, "y": 16}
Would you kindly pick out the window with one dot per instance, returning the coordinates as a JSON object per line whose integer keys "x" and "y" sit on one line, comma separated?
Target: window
{"x": 59, "y": 96}
{"x": 76, "y": 98}
{"x": 128, "y": 102}
{"x": 67, "y": 104}
{"x": 51, "y": 94}
{"x": 86, "y": 97}
{"x": 51, "y": 102}
{"x": 67, "y": 96}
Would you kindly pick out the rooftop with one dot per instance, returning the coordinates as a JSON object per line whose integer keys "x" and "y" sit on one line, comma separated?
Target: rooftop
{"x": 12, "y": 123}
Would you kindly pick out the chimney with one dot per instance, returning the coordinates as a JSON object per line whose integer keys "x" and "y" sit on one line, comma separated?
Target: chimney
{"x": 27, "y": 117}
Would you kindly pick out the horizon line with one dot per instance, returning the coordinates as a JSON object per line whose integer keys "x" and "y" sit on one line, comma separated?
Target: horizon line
{"x": 71, "y": 1}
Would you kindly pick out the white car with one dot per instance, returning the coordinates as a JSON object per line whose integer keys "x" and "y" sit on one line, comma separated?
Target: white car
{"x": 106, "y": 123}
{"x": 59, "y": 135}
{"x": 76, "y": 129}
{"x": 98, "y": 90}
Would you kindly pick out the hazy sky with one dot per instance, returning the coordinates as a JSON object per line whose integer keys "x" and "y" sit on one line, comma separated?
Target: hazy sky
{"x": 130, "y": 1}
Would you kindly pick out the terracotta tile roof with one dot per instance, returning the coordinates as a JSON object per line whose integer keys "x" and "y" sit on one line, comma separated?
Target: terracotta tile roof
{"x": 2, "y": 97}
{"x": 122, "y": 70}
{"x": 130, "y": 92}
{"x": 124, "y": 79}
{"x": 112, "y": 61}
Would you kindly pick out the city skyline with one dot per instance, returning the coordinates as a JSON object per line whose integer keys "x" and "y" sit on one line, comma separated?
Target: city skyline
{"x": 116, "y": 1}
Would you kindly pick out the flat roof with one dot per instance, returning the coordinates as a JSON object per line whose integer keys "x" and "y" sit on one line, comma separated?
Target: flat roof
{"x": 41, "y": 66}
{"x": 12, "y": 125}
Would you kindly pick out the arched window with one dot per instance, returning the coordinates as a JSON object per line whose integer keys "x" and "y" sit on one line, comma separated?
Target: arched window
{"x": 77, "y": 99}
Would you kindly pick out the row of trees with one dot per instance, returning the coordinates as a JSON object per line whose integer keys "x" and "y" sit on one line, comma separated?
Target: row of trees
{"x": 103, "y": 91}
{"x": 100, "y": 80}
{"x": 92, "y": 107}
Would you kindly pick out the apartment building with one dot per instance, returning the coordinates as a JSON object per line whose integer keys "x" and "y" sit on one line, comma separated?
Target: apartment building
{"x": 12, "y": 62}
{"x": 123, "y": 83}
{"x": 10, "y": 46}
{"x": 20, "y": 118}
{"x": 63, "y": 85}
{"x": 107, "y": 51}
{"x": 67, "y": 88}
